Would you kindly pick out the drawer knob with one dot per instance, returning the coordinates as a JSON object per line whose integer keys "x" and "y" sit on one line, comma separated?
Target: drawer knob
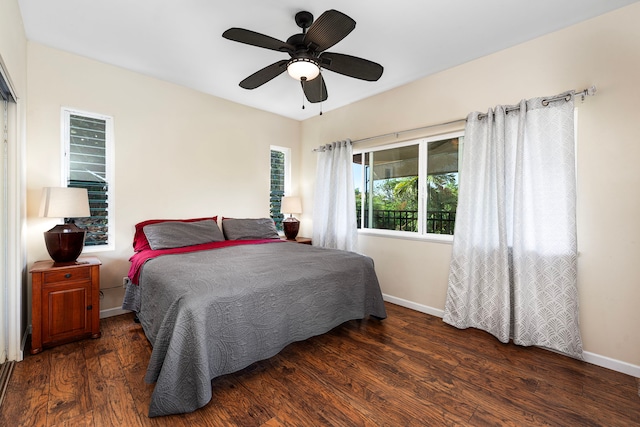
{"x": 67, "y": 276}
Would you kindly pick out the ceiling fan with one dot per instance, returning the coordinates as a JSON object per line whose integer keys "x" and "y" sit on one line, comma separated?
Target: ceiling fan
{"x": 308, "y": 54}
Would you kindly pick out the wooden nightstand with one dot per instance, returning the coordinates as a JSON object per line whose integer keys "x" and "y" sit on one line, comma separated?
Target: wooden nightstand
{"x": 302, "y": 240}
{"x": 65, "y": 302}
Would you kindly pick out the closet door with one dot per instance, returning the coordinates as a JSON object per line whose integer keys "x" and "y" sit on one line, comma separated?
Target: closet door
{"x": 10, "y": 305}
{"x": 4, "y": 132}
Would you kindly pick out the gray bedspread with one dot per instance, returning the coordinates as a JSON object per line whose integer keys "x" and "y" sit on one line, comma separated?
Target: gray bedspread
{"x": 214, "y": 312}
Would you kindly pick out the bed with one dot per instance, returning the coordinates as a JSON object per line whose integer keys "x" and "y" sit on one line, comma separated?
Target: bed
{"x": 217, "y": 306}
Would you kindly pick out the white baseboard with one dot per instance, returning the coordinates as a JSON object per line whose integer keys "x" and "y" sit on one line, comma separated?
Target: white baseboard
{"x": 414, "y": 305}
{"x": 593, "y": 358}
{"x": 613, "y": 364}
{"x": 23, "y": 344}
{"x": 110, "y": 312}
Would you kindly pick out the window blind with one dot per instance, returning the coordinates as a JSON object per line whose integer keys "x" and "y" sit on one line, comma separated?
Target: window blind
{"x": 277, "y": 186}
{"x": 87, "y": 169}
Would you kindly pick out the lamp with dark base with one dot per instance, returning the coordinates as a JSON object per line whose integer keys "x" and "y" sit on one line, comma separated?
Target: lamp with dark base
{"x": 64, "y": 242}
{"x": 291, "y": 225}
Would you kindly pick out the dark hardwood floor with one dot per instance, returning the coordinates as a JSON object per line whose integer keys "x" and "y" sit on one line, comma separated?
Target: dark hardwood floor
{"x": 410, "y": 369}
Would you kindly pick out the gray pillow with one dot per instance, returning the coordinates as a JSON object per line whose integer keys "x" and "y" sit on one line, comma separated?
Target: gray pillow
{"x": 249, "y": 229}
{"x": 176, "y": 234}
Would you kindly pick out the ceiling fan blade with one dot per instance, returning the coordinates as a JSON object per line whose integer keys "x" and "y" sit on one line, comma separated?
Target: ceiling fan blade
{"x": 331, "y": 27}
{"x": 315, "y": 90}
{"x": 260, "y": 77}
{"x": 256, "y": 39}
{"x": 351, "y": 66}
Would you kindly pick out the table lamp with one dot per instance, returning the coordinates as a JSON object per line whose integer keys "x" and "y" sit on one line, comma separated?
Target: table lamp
{"x": 291, "y": 225}
{"x": 64, "y": 241}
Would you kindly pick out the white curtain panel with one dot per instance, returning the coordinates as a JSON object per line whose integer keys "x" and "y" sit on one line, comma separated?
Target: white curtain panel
{"x": 514, "y": 263}
{"x": 334, "y": 207}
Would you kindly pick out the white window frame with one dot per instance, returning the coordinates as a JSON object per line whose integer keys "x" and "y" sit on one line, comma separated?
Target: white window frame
{"x": 422, "y": 193}
{"x": 110, "y": 168}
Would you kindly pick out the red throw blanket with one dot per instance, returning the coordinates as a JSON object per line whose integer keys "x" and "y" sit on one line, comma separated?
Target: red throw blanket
{"x": 139, "y": 258}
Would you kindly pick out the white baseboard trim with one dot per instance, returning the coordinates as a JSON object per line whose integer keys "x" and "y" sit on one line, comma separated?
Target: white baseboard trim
{"x": 110, "y": 312}
{"x": 593, "y": 358}
{"x": 23, "y": 344}
{"x": 414, "y": 305}
{"x": 613, "y": 364}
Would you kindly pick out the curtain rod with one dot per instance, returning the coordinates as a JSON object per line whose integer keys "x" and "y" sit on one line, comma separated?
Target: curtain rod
{"x": 590, "y": 91}
{"x": 398, "y": 133}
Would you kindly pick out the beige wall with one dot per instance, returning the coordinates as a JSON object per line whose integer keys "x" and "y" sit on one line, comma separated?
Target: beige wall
{"x": 603, "y": 51}
{"x": 13, "y": 45}
{"x": 178, "y": 153}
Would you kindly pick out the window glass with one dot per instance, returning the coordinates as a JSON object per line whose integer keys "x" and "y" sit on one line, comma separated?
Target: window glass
{"x": 391, "y": 198}
{"x": 87, "y": 154}
{"x": 442, "y": 185}
{"x": 280, "y": 167}
{"x": 409, "y": 187}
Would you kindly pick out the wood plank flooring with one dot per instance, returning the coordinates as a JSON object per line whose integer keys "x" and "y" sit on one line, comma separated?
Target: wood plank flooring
{"x": 408, "y": 370}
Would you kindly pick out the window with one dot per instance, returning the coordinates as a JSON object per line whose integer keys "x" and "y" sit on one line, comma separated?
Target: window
{"x": 409, "y": 187}
{"x": 280, "y": 180}
{"x": 88, "y": 161}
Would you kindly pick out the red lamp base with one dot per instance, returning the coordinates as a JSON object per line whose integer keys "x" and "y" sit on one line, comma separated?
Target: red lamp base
{"x": 291, "y": 226}
{"x": 64, "y": 242}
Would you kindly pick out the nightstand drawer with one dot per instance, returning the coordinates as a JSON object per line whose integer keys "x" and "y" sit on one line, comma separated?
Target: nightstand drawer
{"x": 66, "y": 275}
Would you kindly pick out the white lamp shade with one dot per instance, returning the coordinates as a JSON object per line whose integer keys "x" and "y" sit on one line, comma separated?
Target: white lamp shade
{"x": 64, "y": 202}
{"x": 303, "y": 67}
{"x": 291, "y": 205}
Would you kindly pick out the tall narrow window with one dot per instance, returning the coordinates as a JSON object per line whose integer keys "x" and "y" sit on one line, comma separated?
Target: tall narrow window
{"x": 88, "y": 157}
{"x": 280, "y": 178}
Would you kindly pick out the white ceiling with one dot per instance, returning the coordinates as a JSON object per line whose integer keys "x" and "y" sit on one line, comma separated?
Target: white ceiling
{"x": 180, "y": 40}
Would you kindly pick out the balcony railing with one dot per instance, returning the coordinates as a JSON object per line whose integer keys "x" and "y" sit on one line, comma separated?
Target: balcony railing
{"x": 438, "y": 222}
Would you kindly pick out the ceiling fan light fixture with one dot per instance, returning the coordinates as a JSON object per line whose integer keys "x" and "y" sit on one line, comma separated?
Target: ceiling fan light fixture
{"x": 303, "y": 69}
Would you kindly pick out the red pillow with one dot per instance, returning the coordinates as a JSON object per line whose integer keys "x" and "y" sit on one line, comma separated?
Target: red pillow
{"x": 140, "y": 241}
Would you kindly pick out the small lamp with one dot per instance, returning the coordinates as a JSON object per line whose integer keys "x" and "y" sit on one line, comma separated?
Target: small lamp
{"x": 64, "y": 241}
{"x": 291, "y": 225}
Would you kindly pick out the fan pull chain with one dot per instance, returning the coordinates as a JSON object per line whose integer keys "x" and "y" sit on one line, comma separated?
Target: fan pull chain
{"x": 320, "y": 92}
{"x": 303, "y": 80}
